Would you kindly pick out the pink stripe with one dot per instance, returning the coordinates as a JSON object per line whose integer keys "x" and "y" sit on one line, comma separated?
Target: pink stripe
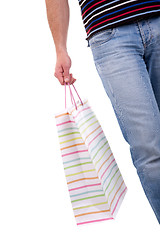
{"x": 107, "y": 168}
{"x": 95, "y": 138}
{"x": 81, "y": 111}
{"x": 120, "y": 16}
{"x": 91, "y": 185}
{"x": 77, "y": 94}
{"x": 64, "y": 123}
{"x": 99, "y": 220}
{"x": 118, "y": 200}
{"x": 63, "y": 155}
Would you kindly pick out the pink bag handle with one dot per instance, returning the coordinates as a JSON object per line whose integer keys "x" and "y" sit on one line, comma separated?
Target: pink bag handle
{"x": 71, "y": 94}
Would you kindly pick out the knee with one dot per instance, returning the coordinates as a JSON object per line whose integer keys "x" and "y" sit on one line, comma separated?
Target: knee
{"x": 152, "y": 169}
{"x": 146, "y": 157}
{"x": 149, "y": 170}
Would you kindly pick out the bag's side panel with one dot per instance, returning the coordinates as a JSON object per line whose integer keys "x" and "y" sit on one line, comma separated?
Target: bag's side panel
{"x": 101, "y": 156}
{"x": 86, "y": 193}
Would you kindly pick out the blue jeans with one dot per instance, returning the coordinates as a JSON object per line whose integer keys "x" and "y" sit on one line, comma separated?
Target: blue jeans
{"x": 127, "y": 59}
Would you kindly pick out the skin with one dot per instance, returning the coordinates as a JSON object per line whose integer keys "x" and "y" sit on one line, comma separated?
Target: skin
{"x": 58, "y": 19}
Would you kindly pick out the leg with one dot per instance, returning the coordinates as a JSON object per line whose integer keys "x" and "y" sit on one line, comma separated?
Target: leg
{"x": 152, "y": 57}
{"x": 121, "y": 67}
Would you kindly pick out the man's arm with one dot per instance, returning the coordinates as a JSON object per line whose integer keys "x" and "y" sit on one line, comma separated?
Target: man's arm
{"x": 58, "y": 19}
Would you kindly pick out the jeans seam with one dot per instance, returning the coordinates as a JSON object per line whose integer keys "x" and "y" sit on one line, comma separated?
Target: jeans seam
{"x": 150, "y": 30}
{"x": 120, "y": 116}
{"x": 150, "y": 34}
{"x": 142, "y": 34}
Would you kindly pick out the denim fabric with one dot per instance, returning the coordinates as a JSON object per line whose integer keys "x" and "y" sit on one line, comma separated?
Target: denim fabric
{"x": 127, "y": 59}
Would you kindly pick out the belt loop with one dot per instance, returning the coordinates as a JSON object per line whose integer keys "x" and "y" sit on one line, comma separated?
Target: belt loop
{"x": 88, "y": 43}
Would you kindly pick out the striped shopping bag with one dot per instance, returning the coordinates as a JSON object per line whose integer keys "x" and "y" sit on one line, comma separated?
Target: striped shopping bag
{"x": 95, "y": 184}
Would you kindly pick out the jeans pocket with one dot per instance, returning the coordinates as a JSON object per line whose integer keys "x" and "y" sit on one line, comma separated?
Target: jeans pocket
{"x": 101, "y": 37}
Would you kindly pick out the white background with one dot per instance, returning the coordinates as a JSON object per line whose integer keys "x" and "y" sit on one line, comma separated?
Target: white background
{"x": 34, "y": 200}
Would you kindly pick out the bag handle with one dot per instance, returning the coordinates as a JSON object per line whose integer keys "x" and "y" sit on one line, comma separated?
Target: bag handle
{"x": 71, "y": 94}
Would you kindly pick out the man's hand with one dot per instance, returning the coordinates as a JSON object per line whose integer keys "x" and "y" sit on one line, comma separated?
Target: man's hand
{"x": 62, "y": 68}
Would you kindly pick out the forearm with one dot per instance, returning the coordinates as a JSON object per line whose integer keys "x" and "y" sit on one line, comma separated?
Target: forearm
{"x": 58, "y": 19}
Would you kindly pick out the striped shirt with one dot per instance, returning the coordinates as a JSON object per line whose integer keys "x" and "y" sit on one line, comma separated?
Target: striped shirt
{"x": 98, "y": 15}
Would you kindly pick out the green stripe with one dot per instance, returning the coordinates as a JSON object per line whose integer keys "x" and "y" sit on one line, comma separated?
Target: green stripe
{"x": 97, "y": 144}
{"x": 101, "y": 195}
{"x": 111, "y": 180}
{"x": 114, "y": 186}
{"x": 85, "y": 116}
{"x": 80, "y": 172}
{"x": 68, "y": 129}
{"x": 78, "y": 165}
{"x": 75, "y": 160}
{"x": 86, "y": 121}
{"x": 68, "y": 134}
{"x": 100, "y": 149}
{"x": 109, "y": 174}
{"x": 89, "y": 126}
{"x": 71, "y": 140}
{"x": 85, "y": 193}
{"x": 102, "y": 156}
{"x": 96, "y": 204}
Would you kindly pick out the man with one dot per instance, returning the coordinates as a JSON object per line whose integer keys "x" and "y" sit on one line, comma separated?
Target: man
{"x": 124, "y": 37}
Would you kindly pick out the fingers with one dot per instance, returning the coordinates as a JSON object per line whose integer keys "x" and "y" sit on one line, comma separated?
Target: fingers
{"x": 72, "y": 79}
{"x": 67, "y": 75}
{"x": 62, "y": 70}
{"x": 60, "y": 78}
{"x": 69, "y": 79}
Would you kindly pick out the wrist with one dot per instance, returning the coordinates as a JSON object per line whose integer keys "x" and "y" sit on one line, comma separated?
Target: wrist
{"x": 61, "y": 50}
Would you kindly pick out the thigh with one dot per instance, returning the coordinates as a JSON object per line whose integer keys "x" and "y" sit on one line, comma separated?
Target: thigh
{"x": 152, "y": 56}
{"x": 125, "y": 78}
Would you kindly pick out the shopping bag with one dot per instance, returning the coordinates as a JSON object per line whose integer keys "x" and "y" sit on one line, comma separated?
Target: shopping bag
{"x": 95, "y": 183}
